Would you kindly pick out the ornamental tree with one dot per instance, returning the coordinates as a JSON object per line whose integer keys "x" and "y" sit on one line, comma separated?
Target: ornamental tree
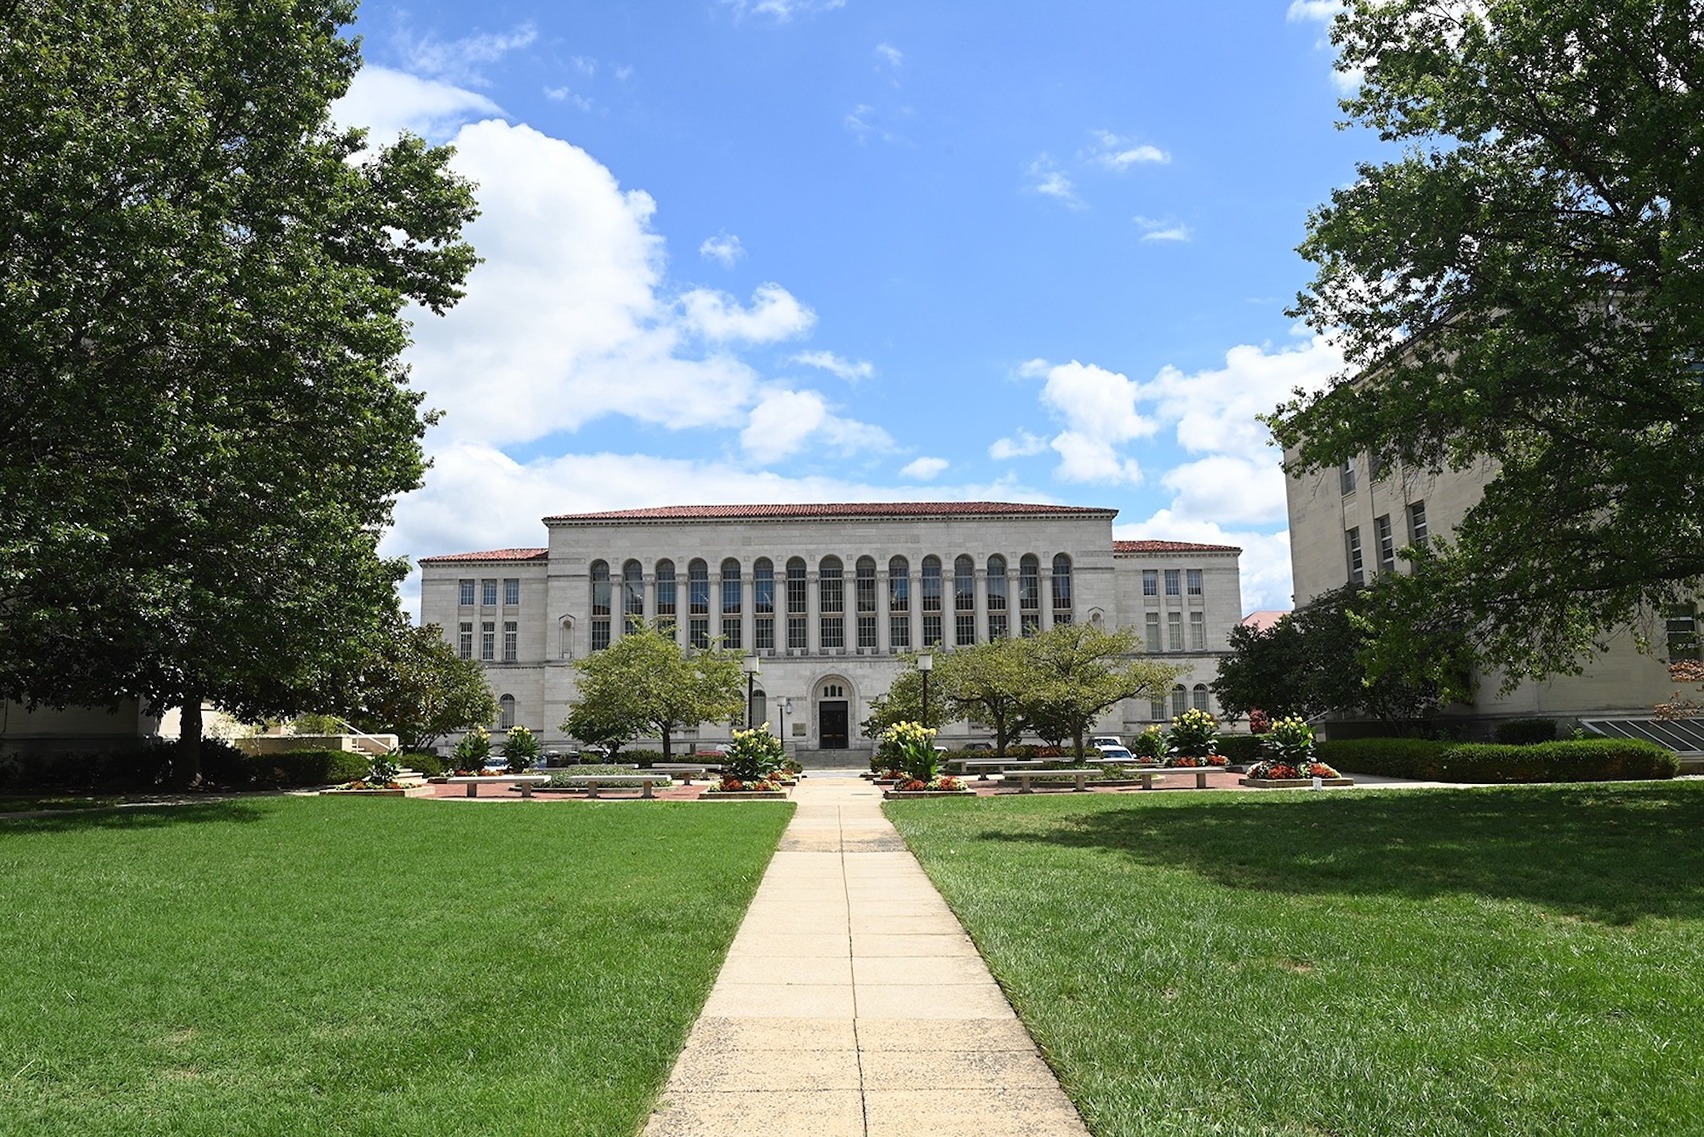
{"x": 206, "y": 421}
{"x": 1520, "y": 290}
{"x": 414, "y": 685}
{"x": 644, "y": 683}
{"x": 1079, "y": 672}
{"x": 989, "y": 683}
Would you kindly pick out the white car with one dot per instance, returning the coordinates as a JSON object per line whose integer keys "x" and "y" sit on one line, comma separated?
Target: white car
{"x": 1122, "y": 753}
{"x": 1101, "y": 740}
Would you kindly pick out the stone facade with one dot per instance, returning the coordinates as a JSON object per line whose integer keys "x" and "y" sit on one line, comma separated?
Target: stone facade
{"x": 763, "y": 579}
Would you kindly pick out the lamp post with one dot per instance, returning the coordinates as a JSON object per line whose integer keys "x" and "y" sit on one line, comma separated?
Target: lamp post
{"x": 784, "y": 704}
{"x": 925, "y": 664}
{"x": 749, "y": 665}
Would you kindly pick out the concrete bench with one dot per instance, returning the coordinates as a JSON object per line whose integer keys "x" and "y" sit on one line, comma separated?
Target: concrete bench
{"x": 523, "y": 782}
{"x": 591, "y": 782}
{"x": 1147, "y": 774}
{"x": 1081, "y": 777}
{"x": 683, "y": 770}
{"x": 983, "y": 765}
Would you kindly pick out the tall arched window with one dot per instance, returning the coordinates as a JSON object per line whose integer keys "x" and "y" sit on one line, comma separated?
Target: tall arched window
{"x": 698, "y": 603}
{"x": 600, "y": 604}
{"x": 666, "y": 607}
{"x": 1180, "y": 700}
{"x": 1199, "y": 695}
{"x": 998, "y": 628}
{"x": 797, "y": 640}
{"x": 763, "y": 604}
{"x": 964, "y": 600}
{"x": 632, "y": 595}
{"x": 505, "y": 713}
{"x": 1029, "y": 594}
{"x": 733, "y": 605}
{"x": 866, "y": 602}
{"x": 1061, "y": 589}
{"x": 831, "y": 601}
{"x": 931, "y": 589}
{"x": 899, "y": 604}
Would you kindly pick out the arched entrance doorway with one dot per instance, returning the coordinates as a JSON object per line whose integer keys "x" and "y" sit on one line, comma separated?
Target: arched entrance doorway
{"x": 834, "y": 715}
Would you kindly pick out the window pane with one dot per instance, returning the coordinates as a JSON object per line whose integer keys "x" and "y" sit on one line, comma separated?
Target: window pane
{"x": 1199, "y": 695}
{"x": 466, "y": 590}
{"x": 511, "y": 590}
{"x": 511, "y": 638}
{"x": 488, "y": 592}
{"x": 1173, "y": 577}
{"x": 1150, "y": 582}
{"x": 665, "y": 589}
{"x": 1153, "y": 633}
{"x": 1192, "y": 581}
{"x": 1197, "y": 631}
{"x": 1352, "y": 540}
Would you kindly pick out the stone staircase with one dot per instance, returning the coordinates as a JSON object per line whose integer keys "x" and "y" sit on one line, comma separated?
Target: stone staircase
{"x": 832, "y": 759}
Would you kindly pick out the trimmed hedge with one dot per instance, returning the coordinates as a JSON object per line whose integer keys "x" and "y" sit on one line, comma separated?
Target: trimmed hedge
{"x": 429, "y": 765}
{"x": 1241, "y": 749}
{"x": 310, "y": 767}
{"x": 1579, "y": 760}
{"x": 1525, "y": 732}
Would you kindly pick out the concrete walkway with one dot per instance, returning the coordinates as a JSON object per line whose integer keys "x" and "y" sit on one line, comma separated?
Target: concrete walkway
{"x": 853, "y": 1005}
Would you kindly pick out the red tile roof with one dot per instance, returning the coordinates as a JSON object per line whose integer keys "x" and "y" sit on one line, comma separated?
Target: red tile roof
{"x": 491, "y": 555}
{"x": 1263, "y": 619}
{"x": 1170, "y": 547}
{"x": 878, "y": 509}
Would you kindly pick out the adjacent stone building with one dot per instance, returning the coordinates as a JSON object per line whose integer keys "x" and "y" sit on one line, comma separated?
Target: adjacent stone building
{"x": 828, "y": 597}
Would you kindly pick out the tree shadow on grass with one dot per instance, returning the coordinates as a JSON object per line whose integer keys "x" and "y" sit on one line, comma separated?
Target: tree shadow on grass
{"x": 133, "y": 816}
{"x": 1609, "y": 854}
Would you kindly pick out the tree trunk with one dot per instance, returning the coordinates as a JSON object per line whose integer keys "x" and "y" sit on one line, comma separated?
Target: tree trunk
{"x": 186, "y": 768}
{"x": 1078, "y": 739}
{"x": 668, "y": 747}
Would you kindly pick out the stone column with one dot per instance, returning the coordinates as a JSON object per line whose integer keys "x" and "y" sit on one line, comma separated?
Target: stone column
{"x": 813, "y": 613}
{"x": 1047, "y": 602}
{"x": 981, "y": 605}
{"x": 884, "y": 638}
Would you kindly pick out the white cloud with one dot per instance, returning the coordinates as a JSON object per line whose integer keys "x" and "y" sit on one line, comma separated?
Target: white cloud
{"x": 774, "y": 315}
{"x": 462, "y": 60}
{"x": 1118, "y": 153}
{"x": 724, "y": 248}
{"x": 1157, "y": 230}
{"x": 1048, "y": 180}
{"x": 1025, "y": 445}
{"x": 389, "y": 102}
{"x": 833, "y": 364}
{"x": 784, "y": 421}
{"x": 924, "y": 469}
{"x": 565, "y": 94}
{"x": 864, "y": 121}
{"x": 1228, "y": 489}
{"x": 1098, "y": 410}
{"x": 1264, "y": 565}
{"x": 781, "y": 10}
{"x": 1303, "y": 10}
{"x": 889, "y": 56}
{"x": 1214, "y": 409}
{"x": 585, "y": 65}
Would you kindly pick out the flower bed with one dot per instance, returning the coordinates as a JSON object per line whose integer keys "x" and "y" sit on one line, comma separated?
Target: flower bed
{"x": 944, "y": 785}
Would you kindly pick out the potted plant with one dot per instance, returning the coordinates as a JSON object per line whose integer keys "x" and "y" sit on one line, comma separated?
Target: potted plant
{"x": 1289, "y": 745}
{"x": 1194, "y": 740}
{"x": 520, "y": 749}
{"x": 913, "y": 744}
{"x": 749, "y": 765}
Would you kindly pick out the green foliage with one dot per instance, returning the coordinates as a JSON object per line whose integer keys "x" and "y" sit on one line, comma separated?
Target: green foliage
{"x": 1582, "y": 760}
{"x": 201, "y": 334}
{"x": 903, "y": 700}
{"x": 474, "y": 749}
{"x": 411, "y": 683}
{"x": 311, "y": 767}
{"x": 644, "y": 683}
{"x": 1525, "y": 732}
{"x": 989, "y": 683}
{"x": 1151, "y": 744}
{"x": 910, "y": 747}
{"x": 1240, "y": 749}
{"x": 1385, "y": 757}
{"x": 1536, "y": 254}
{"x": 755, "y": 755}
{"x": 314, "y": 723}
{"x": 521, "y": 749}
{"x": 1078, "y": 672}
{"x": 1290, "y": 740}
{"x": 1193, "y": 734}
{"x": 424, "y": 762}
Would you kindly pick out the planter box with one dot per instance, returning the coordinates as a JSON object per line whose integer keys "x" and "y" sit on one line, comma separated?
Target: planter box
{"x": 1291, "y": 783}
{"x": 745, "y": 795}
{"x": 966, "y": 792}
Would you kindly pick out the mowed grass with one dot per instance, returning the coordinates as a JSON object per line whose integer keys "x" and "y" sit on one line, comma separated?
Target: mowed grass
{"x": 1525, "y": 960}
{"x": 362, "y": 966}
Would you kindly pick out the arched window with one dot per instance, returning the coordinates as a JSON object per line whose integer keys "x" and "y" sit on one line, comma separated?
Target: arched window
{"x": 632, "y": 595}
{"x": 733, "y": 605}
{"x": 866, "y": 602}
{"x": 964, "y": 600}
{"x": 1029, "y": 594}
{"x": 698, "y": 603}
{"x": 666, "y": 609}
{"x": 899, "y": 604}
{"x": 763, "y": 604}
{"x": 931, "y": 589}
{"x": 1180, "y": 700}
{"x": 1199, "y": 695}
{"x": 997, "y": 625}
{"x": 1061, "y": 589}
{"x": 831, "y": 601}
{"x": 759, "y": 708}
{"x": 796, "y": 606}
{"x": 600, "y": 604}
{"x": 506, "y": 712}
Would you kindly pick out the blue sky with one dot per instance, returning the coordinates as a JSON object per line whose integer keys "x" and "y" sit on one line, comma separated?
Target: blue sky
{"x": 854, "y": 250}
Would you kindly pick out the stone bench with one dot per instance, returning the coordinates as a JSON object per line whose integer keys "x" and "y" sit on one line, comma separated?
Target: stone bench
{"x": 1147, "y": 774}
{"x": 1081, "y": 777}
{"x": 998, "y": 765}
{"x": 683, "y": 770}
{"x": 522, "y": 782}
{"x": 591, "y": 782}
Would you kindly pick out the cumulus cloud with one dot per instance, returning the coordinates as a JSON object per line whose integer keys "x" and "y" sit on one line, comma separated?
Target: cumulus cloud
{"x": 1156, "y": 230}
{"x": 1048, "y": 180}
{"x": 1025, "y": 445}
{"x": 724, "y": 248}
{"x": 774, "y": 315}
{"x": 784, "y": 421}
{"x": 846, "y": 369}
{"x": 389, "y": 102}
{"x": 1301, "y": 11}
{"x": 1119, "y": 153}
{"x": 924, "y": 469}
{"x": 1264, "y": 565}
{"x": 1097, "y": 408}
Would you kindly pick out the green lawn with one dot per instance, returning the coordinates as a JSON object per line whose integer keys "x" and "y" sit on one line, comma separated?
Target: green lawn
{"x": 1526, "y": 960}
{"x": 361, "y": 966}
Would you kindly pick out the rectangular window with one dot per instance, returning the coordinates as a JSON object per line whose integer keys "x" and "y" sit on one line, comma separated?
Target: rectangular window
{"x": 931, "y": 629}
{"x": 698, "y": 632}
{"x": 1192, "y": 581}
{"x": 1417, "y": 524}
{"x": 964, "y": 628}
{"x": 866, "y": 630}
{"x": 732, "y": 601}
{"x": 1029, "y": 623}
{"x": 511, "y": 641}
{"x": 1152, "y": 637}
{"x": 866, "y": 587}
{"x": 1346, "y": 477}
{"x": 488, "y": 641}
{"x": 1375, "y": 467}
{"x": 1682, "y": 632}
{"x": 1061, "y": 617}
{"x": 465, "y": 647}
{"x": 1174, "y": 631}
{"x": 600, "y": 634}
{"x": 698, "y": 595}
{"x": 488, "y": 592}
{"x": 763, "y": 632}
{"x": 796, "y": 640}
{"x": 1174, "y": 582}
{"x": 666, "y": 596}
{"x": 1150, "y": 582}
{"x": 997, "y": 628}
{"x": 731, "y": 633}
{"x": 833, "y": 632}
{"x": 466, "y": 592}
{"x": 1352, "y": 541}
{"x": 511, "y": 590}
{"x": 1387, "y": 543}
{"x": 763, "y": 591}
{"x": 1197, "y": 631}
{"x": 899, "y": 632}
{"x": 1157, "y": 710}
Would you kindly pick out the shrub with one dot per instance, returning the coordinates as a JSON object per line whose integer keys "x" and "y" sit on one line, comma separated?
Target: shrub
{"x": 473, "y": 749}
{"x": 520, "y": 749}
{"x": 1194, "y": 734}
{"x": 1150, "y": 745}
{"x": 1291, "y": 741}
{"x": 1385, "y": 757}
{"x": 1586, "y": 760}
{"x": 430, "y": 765}
{"x": 913, "y": 744}
{"x": 1242, "y": 749}
{"x": 755, "y": 754}
{"x": 1525, "y": 732}
{"x": 645, "y": 758}
{"x": 312, "y": 767}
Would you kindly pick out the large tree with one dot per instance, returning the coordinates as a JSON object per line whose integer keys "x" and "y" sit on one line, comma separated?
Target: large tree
{"x": 414, "y": 685}
{"x": 1080, "y": 671}
{"x": 1524, "y": 287}
{"x": 990, "y": 683}
{"x": 645, "y": 684}
{"x": 204, "y": 421}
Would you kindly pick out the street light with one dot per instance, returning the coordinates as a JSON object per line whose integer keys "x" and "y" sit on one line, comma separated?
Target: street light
{"x": 784, "y": 704}
{"x": 750, "y": 665}
{"x": 925, "y": 664}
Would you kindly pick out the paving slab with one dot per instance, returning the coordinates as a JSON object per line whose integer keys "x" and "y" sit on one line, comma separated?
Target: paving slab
{"x": 849, "y": 982}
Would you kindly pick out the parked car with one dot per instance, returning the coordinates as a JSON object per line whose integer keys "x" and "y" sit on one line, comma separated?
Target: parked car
{"x": 1122, "y": 753}
{"x": 980, "y": 747}
{"x": 1100, "y": 740}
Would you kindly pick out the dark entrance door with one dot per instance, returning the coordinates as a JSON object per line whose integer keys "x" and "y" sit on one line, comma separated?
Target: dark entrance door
{"x": 831, "y": 723}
